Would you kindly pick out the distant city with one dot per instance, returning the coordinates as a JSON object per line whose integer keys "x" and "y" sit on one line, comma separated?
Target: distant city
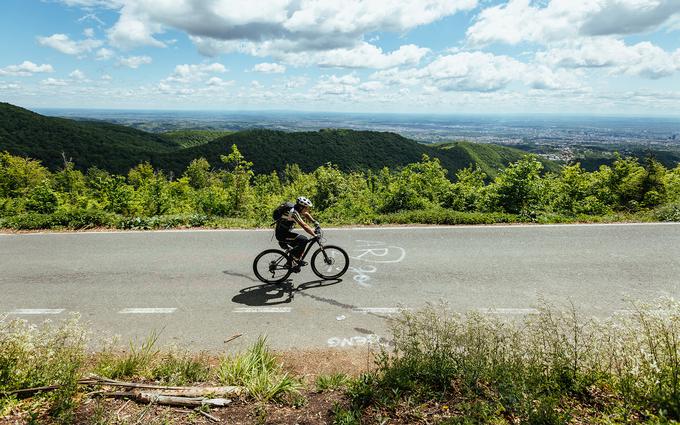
{"x": 553, "y": 136}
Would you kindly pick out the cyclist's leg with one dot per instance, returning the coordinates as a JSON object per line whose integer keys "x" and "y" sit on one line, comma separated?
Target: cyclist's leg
{"x": 299, "y": 243}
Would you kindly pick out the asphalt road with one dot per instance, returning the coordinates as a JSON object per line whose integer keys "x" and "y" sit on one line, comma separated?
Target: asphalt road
{"x": 197, "y": 287}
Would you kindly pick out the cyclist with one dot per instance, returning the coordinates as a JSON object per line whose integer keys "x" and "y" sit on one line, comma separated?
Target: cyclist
{"x": 285, "y": 235}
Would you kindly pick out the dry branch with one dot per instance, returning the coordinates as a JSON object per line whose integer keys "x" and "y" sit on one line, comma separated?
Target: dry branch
{"x": 155, "y": 398}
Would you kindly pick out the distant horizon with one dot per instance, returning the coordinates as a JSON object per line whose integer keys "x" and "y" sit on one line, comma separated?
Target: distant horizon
{"x": 302, "y": 111}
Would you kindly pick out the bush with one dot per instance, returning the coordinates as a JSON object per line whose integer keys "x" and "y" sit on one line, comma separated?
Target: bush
{"x": 444, "y": 216}
{"x": 669, "y": 212}
{"x": 32, "y": 356}
{"x": 531, "y": 371}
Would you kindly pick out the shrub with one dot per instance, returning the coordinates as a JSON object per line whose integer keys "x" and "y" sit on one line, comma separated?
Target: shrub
{"x": 531, "y": 371}
{"x": 35, "y": 356}
{"x": 670, "y": 212}
{"x": 444, "y": 216}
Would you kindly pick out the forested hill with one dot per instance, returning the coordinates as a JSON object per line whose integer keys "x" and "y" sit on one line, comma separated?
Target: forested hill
{"x": 118, "y": 148}
{"x": 113, "y": 147}
{"x": 348, "y": 149}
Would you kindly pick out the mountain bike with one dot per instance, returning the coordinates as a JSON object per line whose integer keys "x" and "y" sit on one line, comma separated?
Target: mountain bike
{"x": 328, "y": 261}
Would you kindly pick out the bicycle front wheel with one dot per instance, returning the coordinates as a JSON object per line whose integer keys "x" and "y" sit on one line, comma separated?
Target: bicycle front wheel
{"x": 330, "y": 262}
{"x": 272, "y": 266}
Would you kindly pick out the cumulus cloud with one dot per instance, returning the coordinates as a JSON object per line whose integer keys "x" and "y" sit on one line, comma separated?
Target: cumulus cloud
{"x": 288, "y": 27}
{"x": 78, "y": 75}
{"x": 269, "y": 68}
{"x": 134, "y": 62}
{"x": 25, "y": 69}
{"x": 104, "y": 54}
{"x": 540, "y": 22}
{"x": 53, "y": 82}
{"x": 218, "y": 82}
{"x": 477, "y": 72}
{"x": 134, "y": 28}
{"x": 187, "y": 73}
{"x": 642, "y": 59}
{"x": 64, "y": 44}
{"x": 344, "y": 85}
{"x": 9, "y": 86}
{"x": 364, "y": 55}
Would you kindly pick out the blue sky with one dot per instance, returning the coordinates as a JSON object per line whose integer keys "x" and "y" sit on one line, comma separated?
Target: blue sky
{"x": 441, "y": 56}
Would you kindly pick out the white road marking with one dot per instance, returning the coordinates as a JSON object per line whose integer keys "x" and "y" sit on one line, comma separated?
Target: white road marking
{"x": 262, "y": 310}
{"x": 37, "y": 311}
{"x": 379, "y": 310}
{"x": 509, "y": 311}
{"x": 147, "y": 311}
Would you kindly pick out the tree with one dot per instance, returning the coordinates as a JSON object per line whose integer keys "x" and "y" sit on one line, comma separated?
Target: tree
{"x": 18, "y": 176}
{"x": 198, "y": 173}
{"x": 238, "y": 178}
{"x": 466, "y": 192}
{"x": 515, "y": 190}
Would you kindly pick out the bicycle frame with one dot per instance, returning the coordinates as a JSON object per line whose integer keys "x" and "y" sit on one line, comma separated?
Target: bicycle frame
{"x": 315, "y": 239}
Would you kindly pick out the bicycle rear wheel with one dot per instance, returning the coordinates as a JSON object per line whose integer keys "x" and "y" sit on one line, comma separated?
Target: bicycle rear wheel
{"x": 272, "y": 266}
{"x": 330, "y": 262}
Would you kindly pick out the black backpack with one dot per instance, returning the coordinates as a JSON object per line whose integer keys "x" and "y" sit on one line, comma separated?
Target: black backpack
{"x": 281, "y": 209}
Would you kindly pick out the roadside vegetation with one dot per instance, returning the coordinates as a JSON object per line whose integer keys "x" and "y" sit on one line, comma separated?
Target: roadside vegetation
{"x": 552, "y": 367}
{"x": 230, "y": 194}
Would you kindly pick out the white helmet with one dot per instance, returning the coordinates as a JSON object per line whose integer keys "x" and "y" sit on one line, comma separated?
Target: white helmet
{"x": 304, "y": 201}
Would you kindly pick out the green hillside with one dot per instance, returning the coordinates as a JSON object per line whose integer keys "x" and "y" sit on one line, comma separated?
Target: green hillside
{"x": 109, "y": 146}
{"x": 118, "y": 148}
{"x": 348, "y": 149}
{"x": 191, "y": 138}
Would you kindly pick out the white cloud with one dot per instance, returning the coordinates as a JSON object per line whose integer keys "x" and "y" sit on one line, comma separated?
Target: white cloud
{"x": 345, "y": 85}
{"x": 473, "y": 71}
{"x": 104, "y": 54}
{"x": 134, "y": 62}
{"x": 269, "y": 68}
{"x": 107, "y": 77}
{"x": 545, "y": 22}
{"x": 478, "y": 72}
{"x": 134, "y": 28}
{"x": 25, "y": 69}
{"x": 53, "y": 82}
{"x": 642, "y": 59}
{"x": 364, "y": 55}
{"x": 288, "y": 27}
{"x": 218, "y": 82}
{"x": 89, "y": 32}
{"x": 9, "y": 86}
{"x": 371, "y": 86}
{"x": 78, "y": 75}
{"x": 64, "y": 44}
{"x": 187, "y": 73}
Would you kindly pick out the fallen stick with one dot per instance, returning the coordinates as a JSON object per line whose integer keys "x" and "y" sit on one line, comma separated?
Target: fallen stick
{"x": 169, "y": 391}
{"x": 149, "y": 398}
{"x": 233, "y": 337}
{"x": 27, "y": 392}
{"x": 207, "y": 415}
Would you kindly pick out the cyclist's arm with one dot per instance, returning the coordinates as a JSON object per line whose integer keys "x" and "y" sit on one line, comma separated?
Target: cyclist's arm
{"x": 310, "y": 218}
{"x": 304, "y": 225}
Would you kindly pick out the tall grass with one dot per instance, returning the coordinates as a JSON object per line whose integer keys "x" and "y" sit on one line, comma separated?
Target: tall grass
{"x": 534, "y": 370}
{"x": 36, "y": 356}
{"x": 260, "y": 373}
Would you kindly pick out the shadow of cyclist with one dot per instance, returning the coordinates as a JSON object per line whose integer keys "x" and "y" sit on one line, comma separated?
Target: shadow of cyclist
{"x": 281, "y": 293}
